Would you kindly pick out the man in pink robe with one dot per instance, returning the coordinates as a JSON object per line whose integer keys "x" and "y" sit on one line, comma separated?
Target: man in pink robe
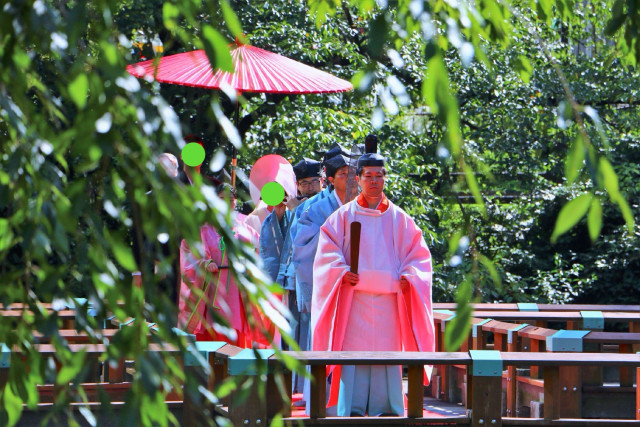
{"x": 385, "y": 307}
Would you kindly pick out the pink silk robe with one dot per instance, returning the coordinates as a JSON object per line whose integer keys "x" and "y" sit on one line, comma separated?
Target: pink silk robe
{"x": 228, "y": 300}
{"x": 375, "y": 314}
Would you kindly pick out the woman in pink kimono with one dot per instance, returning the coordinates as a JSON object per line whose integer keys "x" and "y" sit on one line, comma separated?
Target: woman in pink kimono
{"x": 216, "y": 290}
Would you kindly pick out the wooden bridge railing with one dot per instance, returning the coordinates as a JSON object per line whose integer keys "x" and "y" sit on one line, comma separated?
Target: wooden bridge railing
{"x": 540, "y": 307}
{"x": 484, "y": 371}
{"x": 512, "y": 337}
{"x": 519, "y": 346}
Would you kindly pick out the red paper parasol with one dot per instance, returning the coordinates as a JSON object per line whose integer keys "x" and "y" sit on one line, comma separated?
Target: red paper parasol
{"x": 256, "y": 71}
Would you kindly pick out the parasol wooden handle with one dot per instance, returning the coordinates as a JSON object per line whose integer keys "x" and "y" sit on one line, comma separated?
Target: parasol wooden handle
{"x": 234, "y": 164}
{"x": 356, "y": 227}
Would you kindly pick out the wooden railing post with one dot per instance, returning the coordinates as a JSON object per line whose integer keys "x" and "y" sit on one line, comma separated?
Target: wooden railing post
{"x": 115, "y": 374}
{"x": 569, "y": 394}
{"x": 535, "y": 348}
{"x": 444, "y": 370}
{"x": 195, "y": 408}
{"x": 221, "y": 367}
{"x": 415, "y": 374}
{"x": 551, "y": 394}
{"x": 478, "y": 336}
{"x": 253, "y": 410}
{"x": 440, "y": 386}
{"x": 487, "y": 384}
{"x": 635, "y": 327}
{"x": 318, "y": 404}
{"x": 277, "y": 403}
{"x": 638, "y": 392}
{"x": 537, "y": 338}
{"x": 469, "y": 397}
{"x": 513, "y": 344}
{"x": 5, "y": 364}
{"x": 626, "y": 374}
{"x": 592, "y": 321}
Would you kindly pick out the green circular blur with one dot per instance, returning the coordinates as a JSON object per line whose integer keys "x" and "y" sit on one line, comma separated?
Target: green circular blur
{"x": 193, "y": 154}
{"x": 272, "y": 193}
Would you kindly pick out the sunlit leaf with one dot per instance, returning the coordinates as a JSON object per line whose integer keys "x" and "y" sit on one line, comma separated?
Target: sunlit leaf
{"x": 457, "y": 330}
{"x": 170, "y": 14}
{"x": 523, "y": 67}
{"x": 226, "y": 388}
{"x": 78, "y": 90}
{"x": 454, "y": 242}
{"x": 110, "y": 53}
{"x": 610, "y": 182}
{"x": 545, "y": 9}
{"x": 6, "y": 234}
{"x": 362, "y": 80}
{"x": 435, "y": 68}
{"x": 69, "y": 371}
{"x": 155, "y": 411}
{"x": 627, "y": 214}
{"x": 365, "y": 5}
{"x": 610, "y": 179}
{"x": 321, "y": 8}
{"x": 575, "y": 160}
{"x": 277, "y": 421}
{"x": 122, "y": 253}
{"x": 217, "y": 49}
{"x": 12, "y": 404}
{"x": 594, "y": 219}
{"x": 570, "y": 214}
{"x": 566, "y": 8}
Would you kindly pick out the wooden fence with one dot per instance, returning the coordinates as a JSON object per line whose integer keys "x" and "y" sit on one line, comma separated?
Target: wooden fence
{"x": 565, "y": 364}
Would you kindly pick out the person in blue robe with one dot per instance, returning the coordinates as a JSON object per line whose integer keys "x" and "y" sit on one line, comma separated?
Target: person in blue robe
{"x": 292, "y": 267}
{"x": 308, "y": 226}
{"x": 306, "y": 241}
{"x": 275, "y": 245}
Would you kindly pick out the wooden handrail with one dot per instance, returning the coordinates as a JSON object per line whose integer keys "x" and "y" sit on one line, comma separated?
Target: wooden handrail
{"x": 541, "y": 307}
{"x": 553, "y": 316}
{"x": 487, "y": 407}
{"x": 408, "y": 358}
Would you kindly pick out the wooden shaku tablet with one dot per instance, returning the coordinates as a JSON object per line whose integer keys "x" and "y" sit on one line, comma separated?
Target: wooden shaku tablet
{"x": 355, "y": 245}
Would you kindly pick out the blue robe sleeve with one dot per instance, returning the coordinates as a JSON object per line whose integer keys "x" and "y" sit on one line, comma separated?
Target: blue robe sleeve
{"x": 305, "y": 246}
{"x": 283, "y": 277}
{"x": 271, "y": 245}
{"x": 288, "y": 267}
{"x": 291, "y": 267}
{"x": 304, "y": 252}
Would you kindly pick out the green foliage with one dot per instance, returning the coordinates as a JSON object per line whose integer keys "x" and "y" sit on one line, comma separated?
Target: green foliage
{"x": 624, "y": 20}
{"x": 570, "y": 214}
{"x": 83, "y": 202}
{"x": 526, "y": 110}
{"x": 457, "y": 330}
